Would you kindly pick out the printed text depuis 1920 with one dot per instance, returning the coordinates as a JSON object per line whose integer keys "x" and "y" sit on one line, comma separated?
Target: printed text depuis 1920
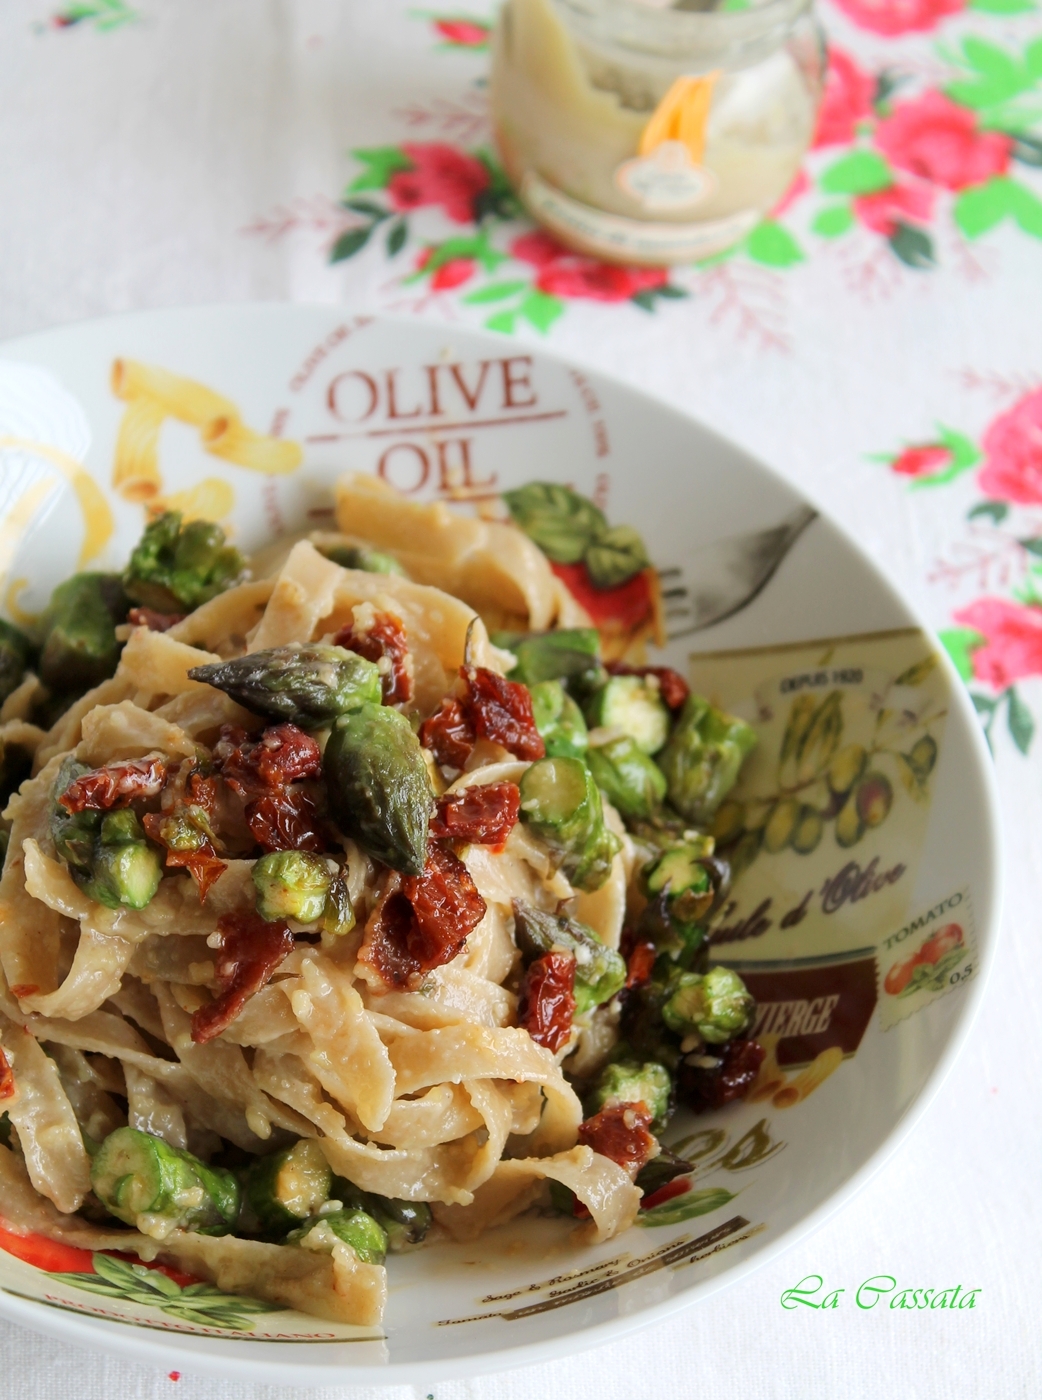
{"x": 818, "y": 680}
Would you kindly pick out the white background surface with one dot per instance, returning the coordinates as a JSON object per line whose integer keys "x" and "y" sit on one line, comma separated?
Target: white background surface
{"x": 130, "y": 164}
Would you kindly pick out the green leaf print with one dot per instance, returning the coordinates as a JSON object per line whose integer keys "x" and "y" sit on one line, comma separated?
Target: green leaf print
{"x": 1001, "y": 86}
{"x": 860, "y": 172}
{"x": 965, "y": 454}
{"x": 1019, "y": 721}
{"x": 1002, "y": 7}
{"x": 960, "y": 643}
{"x": 912, "y": 246}
{"x": 834, "y": 220}
{"x": 994, "y": 510}
{"x": 350, "y": 243}
{"x": 381, "y": 162}
{"x": 541, "y": 310}
{"x": 980, "y": 208}
{"x": 495, "y": 291}
{"x": 773, "y": 245}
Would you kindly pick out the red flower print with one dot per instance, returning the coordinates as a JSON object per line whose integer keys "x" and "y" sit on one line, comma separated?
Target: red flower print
{"x": 900, "y": 204}
{"x": 1013, "y": 646}
{"x": 898, "y": 16}
{"x": 1012, "y": 445}
{"x": 570, "y": 275}
{"x": 538, "y": 248}
{"x": 933, "y": 137}
{"x": 450, "y": 274}
{"x": 453, "y": 274}
{"x": 464, "y": 33}
{"x": 846, "y": 101}
{"x": 925, "y": 459}
{"x": 441, "y": 175}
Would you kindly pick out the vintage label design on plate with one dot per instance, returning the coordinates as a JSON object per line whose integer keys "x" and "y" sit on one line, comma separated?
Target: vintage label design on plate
{"x": 931, "y": 954}
{"x": 825, "y": 829}
{"x": 581, "y": 1284}
{"x": 613, "y": 236}
{"x": 119, "y": 1290}
{"x": 667, "y": 180}
{"x": 807, "y": 1008}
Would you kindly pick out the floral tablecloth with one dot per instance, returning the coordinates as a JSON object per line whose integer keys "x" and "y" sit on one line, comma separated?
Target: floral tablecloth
{"x": 878, "y": 338}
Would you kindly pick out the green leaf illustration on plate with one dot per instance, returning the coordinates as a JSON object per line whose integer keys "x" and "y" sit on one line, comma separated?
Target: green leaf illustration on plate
{"x": 201, "y": 1303}
{"x": 685, "y": 1207}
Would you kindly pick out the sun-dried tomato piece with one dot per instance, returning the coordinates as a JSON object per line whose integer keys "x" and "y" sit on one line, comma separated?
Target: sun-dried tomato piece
{"x": 449, "y": 735}
{"x": 154, "y": 621}
{"x": 115, "y": 785}
{"x": 547, "y": 1002}
{"x": 384, "y": 641}
{"x": 501, "y": 711}
{"x": 287, "y": 820}
{"x": 249, "y": 953}
{"x": 24, "y": 989}
{"x": 183, "y": 825}
{"x": 282, "y": 755}
{"x": 423, "y": 922}
{"x": 703, "y": 1088}
{"x": 204, "y": 865}
{"x": 7, "y": 1085}
{"x": 673, "y": 688}
{"x": 484, "y": 814}
{"x": 639, "y": 963}
{"x": 621, "y": 1133}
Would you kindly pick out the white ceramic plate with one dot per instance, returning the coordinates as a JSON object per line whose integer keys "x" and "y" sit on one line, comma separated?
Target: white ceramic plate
{"x": 863, "y": 1006}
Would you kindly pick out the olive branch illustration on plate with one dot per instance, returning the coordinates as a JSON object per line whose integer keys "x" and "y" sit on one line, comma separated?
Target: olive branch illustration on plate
{"x": 200, "y": 1303}
{"x": 822, "y": 781}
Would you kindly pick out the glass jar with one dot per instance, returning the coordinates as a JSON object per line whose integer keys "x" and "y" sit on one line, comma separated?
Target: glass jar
{"x": 651, "y": 132}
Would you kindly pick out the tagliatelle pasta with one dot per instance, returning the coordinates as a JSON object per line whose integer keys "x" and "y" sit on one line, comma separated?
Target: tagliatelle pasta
{"x": 311, "y": 910}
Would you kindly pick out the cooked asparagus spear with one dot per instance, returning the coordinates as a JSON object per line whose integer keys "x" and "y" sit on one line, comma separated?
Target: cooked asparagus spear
{"x": 158, "y": 1188}
{"x": 559, "y": 721}
{"x": 599, "y": 971}
{"x": 174, "y": 567}
{"x": 79, "y": 632}
{"x": 305, "y": 684}
{"x": 631, "y": 781}
{"x": 561, "y": 803}
{"x": 405, "y": 1223}
{"x": 632, "y": 705}
{"x": 16, "y": 655}
{"x": 360, "y": 556}
{"x": 291, "y": 885}
{"x": 124, "y": 868}
{"x": 354, "y": 1227}
{"x": 570, "y": 654}
{"x": 628, "y": 1081}
{"x": 703, "y": 758}
{"x": 379, "y": 786}
{"x": 716, "y": 1005}
{"x": 289, "y": 1186}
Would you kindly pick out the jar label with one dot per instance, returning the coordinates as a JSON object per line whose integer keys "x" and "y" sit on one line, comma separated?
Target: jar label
{"x": 632, "y": 240}
{"x": 667, "y": 179}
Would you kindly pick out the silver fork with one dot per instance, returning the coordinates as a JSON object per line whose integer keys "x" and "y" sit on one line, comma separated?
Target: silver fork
{"x": 725, "y": 577}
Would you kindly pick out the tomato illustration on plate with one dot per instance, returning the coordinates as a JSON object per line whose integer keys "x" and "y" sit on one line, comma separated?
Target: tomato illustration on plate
{"x": 928, "y": 968}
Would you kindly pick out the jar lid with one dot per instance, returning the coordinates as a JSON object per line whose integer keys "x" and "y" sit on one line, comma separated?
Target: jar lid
{"x": 687, "y": 39}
